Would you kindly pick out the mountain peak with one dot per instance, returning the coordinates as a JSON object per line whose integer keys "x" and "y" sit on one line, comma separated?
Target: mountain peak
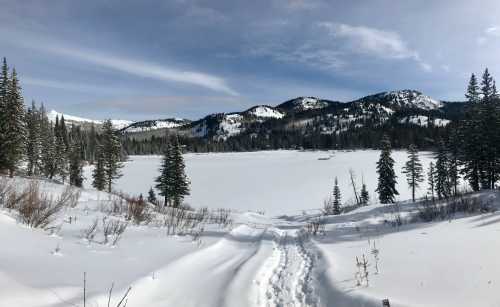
{"x": 404, "y": 99}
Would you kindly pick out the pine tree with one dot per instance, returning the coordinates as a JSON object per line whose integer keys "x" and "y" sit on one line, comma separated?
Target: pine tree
{"x": 152, "y": 196}
{"x": 4, "y": 84}
{"x": 442, "y": 179}
{"x": 111, "y": 149}
{"x": 165, "y": 179}
{"x": 61, "y": 154}
{"x": 337, "y": 201}
{"x": 431, "y": 179}
{"x": 472, "y": 94}
{"x": 47, "y": 140}
{"x": 180, "y": 187}
{"x": 75, "y": 163}
{"x": 14, "y": 125}
{"x": 453, "y": 148}
{"x": 386, "y": 187}
{"x": 413, "y": 170}
{"x": 487, "y": 87}
{"x": 364, "y": 196}
{"x": 99, "y": 173}
{"x": 33, "y": 140}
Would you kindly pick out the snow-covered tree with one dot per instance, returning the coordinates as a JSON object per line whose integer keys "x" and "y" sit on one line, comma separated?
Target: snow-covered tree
{"x": 364, "y": 196}
{"x": 164, "y": 182}
{"x": 75, "y": 163}
{"x": 413, "y": 170}
{"x": 386, "y": 187}
{"x": 181, "y": 183}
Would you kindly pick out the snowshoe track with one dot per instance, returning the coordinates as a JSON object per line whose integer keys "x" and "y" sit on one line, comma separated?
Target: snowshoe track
{"x": 291, "y": 281}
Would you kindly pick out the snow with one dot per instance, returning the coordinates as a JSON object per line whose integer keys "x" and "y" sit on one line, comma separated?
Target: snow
{"x": 422, "y": 120}
{"x": 117, "y": 123}
{"x": 275, "y": 182}
{"x": 261, "y": 260}
{"x": 413, "y": 98}
{"x": 266, "y": 112}
{"x": 230, "y": 125}
{"x": 155, "y": 125}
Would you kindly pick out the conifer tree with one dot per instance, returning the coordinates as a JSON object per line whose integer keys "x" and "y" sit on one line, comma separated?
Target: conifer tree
{"x": 111, "y": 149}
{"x": 33, "y": 140}
{"x": 152, "y": 196}
{"x": 180, "y": 187}
{"x": 99, "y": 173}
{"x": 75, "y": 163}
{"x": 14, "y": 125}
{"x": 364, "y": 196}
{"x": 61, "y": 154}
{"x": 47, "y": 139}
{"x": 337, "y": 201}
{"x": 386, "y": 187}
{"x": 431, "y": 179}
{"x": 164, "y": 182}
{"x": 442, "y": 179}
{"x": 413, "y": 170}
{"x": 4, "y": 84}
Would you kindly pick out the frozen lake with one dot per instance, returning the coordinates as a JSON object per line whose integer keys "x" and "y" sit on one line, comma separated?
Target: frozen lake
{"x": 275, "y": 182}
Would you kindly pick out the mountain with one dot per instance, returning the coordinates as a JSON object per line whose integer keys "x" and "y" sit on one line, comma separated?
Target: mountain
{"x": 149, "y": 125}
{"x": 75, "y": 120}
{"x": 401, "y": 99}
{"x": 301, "y": 104}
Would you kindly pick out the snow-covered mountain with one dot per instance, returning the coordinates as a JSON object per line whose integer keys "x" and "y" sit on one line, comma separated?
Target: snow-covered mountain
{"x": 70, "y": 119}
{"x": 402, "y": 99}
{"x": 149, "y": 125}
{"x": 265, "y": 112}
{"x": 300, "y": 104}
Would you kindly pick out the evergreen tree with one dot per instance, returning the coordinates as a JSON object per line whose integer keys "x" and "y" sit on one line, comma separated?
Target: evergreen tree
{"x": 180, "y": 187}
{"x": 454, "y": 148}
{"x": 4, "y": 84}
{"x": 386, "y": 187}
{"x": 337, "y": 202}
{"x": 152, "y": 196}
{"x": 111, "y": 149}
{"x": 442, "y": 179}
{"x": 99, "y": 173}
{"x": 164, "y": 182}
{"x": 75, "y": 163}
{"x": 33, "y": 140}
{"x": 472, "y": 94}
{"x": 14, "y": 125}
{"x": 61, "y": 154}
{"x": 365, "y": 196}
{"x": 431, "y": 179}
{"x": 47, "y": 139}
{"x": 413, "y": 170}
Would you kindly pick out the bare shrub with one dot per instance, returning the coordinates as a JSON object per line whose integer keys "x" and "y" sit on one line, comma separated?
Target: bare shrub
{"x": 328, "y": 206}
{"x": 36, "y": 209}
{"x": 113, "y": 228}
{"x": 137, "y": 210}
{"x": 316, "y": 226}
{"x": 70, "y": 196}
{"x": 6, "y": 188}
{"x": 90, "y": 232}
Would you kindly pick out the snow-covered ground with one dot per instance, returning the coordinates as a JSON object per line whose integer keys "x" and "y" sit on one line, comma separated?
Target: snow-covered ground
{"x": 260, "y": 260}
{"x": 275, "y": 182}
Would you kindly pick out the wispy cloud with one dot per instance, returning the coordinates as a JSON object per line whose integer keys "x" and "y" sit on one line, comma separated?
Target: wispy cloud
{"x": 63, "y": 85}
{"x": 374, "y": 42}
{"x": 130, "y": 66}
{"x": 488, "y": 33}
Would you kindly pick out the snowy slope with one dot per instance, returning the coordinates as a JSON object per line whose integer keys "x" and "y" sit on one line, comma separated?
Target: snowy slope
{"x": 117, "y": 123}
{"x": 149, "y": 125}
{"x": 265, "y": 112}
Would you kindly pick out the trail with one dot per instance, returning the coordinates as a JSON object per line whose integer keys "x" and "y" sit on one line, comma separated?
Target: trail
{"x": 251, "y": 266}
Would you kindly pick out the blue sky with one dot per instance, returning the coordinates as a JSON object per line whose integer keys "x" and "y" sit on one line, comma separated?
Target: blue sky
{"x": 155, "y": 59}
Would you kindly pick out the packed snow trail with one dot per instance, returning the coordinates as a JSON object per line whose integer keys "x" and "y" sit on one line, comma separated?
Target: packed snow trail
{"x": 286, "y": 277}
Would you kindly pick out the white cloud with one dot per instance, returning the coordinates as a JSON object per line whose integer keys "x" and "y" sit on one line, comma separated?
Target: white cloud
{"x": 72, "y": 86}
{"x": 488, "y": 33}
{"x": 370, "y": 41}
{"x": 126, "y": 65}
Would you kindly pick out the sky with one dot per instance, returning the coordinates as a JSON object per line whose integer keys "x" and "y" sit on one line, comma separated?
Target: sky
{"x": 136, "y": 60}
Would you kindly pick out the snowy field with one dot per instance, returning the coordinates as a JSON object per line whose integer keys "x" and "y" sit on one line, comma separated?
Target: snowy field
{"x": 258, "y": 260}
{"x": 274, "y": 182}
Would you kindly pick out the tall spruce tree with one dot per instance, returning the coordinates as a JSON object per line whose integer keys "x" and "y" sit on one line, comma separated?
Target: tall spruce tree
{"x": 99, "y": 172}
{"x": 181, "y": 183}
{"x": 33, "y": 140}
{"x": 4, "y": 84}
{"x": 61, "y": 153}
{"x": 471, "y": 135}
{"x": 431, "y": 180}
{"x": 47, "y": 139}
{"x": 386, "y": 187}
{"x": 413, "y": 170}
{"x": 14, "y": 125}
{"x": 443, "y": 188}
{"x": 337, "y": 201}
{"x": 364, "y": 196}
{"x": 152, "y": 196}
{"x": 111, "y": 148}
{"x": 164, "y": 182}
{"x": 75, "y": 163}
